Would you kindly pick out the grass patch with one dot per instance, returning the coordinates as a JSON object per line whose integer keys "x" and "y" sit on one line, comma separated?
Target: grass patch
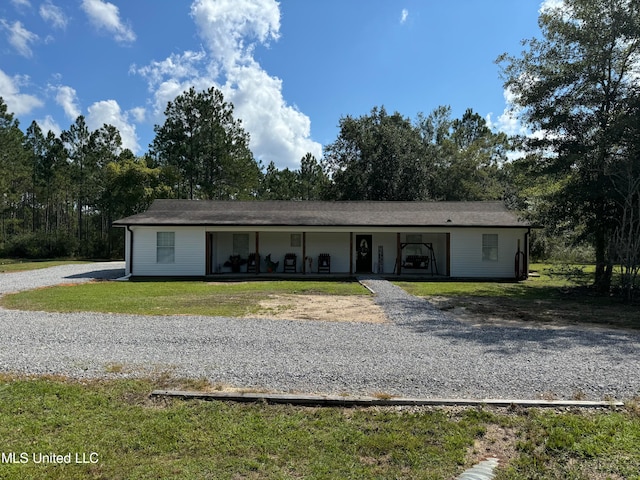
{"x": 8, "y": 265}
{"x": 139, "y": 438}
{"x": 558, "y": 294}
{"x": 549, "y": 280}
{"x": 170, "y": 298}
{"x": 584, "y": 445}
{"x": 136, "y": 438}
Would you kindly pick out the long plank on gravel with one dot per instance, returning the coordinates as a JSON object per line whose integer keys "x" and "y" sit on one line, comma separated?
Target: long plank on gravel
{"x": 361, "y": 401}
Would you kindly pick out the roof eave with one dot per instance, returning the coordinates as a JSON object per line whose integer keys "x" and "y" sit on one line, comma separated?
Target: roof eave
{"x": 262, "y": 225}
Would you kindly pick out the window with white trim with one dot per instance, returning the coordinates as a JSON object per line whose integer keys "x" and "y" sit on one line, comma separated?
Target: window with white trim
{"x": 165, "y": 247}
{"x": 241, "y": 244}
{"x": 489, "y": 247}
{"x": 416, "y": 248}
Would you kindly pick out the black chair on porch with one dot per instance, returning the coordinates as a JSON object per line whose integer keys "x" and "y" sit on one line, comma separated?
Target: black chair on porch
{"x": 290, "y": 263}
{"x": 324, "y": 263}
{"x": 252, "y": 263}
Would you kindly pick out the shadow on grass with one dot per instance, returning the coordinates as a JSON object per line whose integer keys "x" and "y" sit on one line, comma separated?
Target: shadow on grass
{"x": 422, "y": 317}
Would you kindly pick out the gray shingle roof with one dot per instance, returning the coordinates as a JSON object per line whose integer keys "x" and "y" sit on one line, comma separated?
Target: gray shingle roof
{"x": 286, "y": 213}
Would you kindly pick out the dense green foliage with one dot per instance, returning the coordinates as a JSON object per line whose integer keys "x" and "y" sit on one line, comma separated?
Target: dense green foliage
{"x": 388, "y": 157}
{"x": 577, "y": 87}
{"x": 207, "y": 148}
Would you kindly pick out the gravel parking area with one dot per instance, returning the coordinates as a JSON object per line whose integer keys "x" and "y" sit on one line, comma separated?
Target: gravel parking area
{"x": 46, "y": 277}
{"x": 421, "y": 352}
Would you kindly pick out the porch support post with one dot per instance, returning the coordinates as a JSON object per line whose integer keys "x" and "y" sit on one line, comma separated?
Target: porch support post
{"x": 526, "y": 252}
{"x": 257, "y": 253}
{"x": 207, "y": 254}
{"x": 398, "y": 254}
{"x": 304, "y": 252}
{"x": 130, "y": 249}
{"x": 448, "y": 254}
{"x": 350, "y": 253}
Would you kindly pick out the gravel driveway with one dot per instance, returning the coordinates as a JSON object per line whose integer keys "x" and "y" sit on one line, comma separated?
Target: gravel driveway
{"x": 420, "y": 352}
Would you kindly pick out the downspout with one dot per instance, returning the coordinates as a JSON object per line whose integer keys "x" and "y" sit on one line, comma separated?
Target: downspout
{"x": 130, "y": 249}
{"x": 526, "y": 252}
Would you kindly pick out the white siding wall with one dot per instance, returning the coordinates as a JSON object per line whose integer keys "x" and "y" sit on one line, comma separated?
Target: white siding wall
{"x": 335, "y": 244}
{"x": 278, "y": 244}
{"x": 189, "y": 252}
{"x": 466, "y": 252}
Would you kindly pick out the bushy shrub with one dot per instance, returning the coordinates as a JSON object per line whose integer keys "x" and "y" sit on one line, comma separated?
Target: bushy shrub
{"x": 547, "y": 248}
{"x": 39, "y": 245}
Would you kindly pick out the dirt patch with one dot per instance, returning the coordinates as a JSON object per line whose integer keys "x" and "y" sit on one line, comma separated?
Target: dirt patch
{"x": 498, "y": 442}
{"x": 332, "y": 308}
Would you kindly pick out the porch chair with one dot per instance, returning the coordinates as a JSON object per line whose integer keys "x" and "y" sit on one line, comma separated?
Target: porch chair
{"x": 324, "y": 263}
{"x": 253, "y": 262}
{"x": 290, "y": 263}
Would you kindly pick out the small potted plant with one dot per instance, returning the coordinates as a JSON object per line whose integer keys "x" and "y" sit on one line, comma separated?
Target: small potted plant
{"x": 235, "y": 262}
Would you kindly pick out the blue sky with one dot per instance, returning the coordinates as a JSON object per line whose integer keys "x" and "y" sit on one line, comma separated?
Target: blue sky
{"x": 291, "y": 68}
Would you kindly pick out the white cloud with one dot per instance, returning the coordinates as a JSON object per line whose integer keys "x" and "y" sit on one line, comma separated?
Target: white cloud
{"x": 54, "y": 15}
{"x": 67, "y": 98}
{"x": 106, "y": 16}
{"x": 109, "y": 112}
{"x": 231, "y": 30}
{"x": 139, "y": 114}
{"x": 49, "y": 124}
{"x": 21, "y": 3}
{"x": 278, "y": 132}
{"x": 17, "y": 103}
{"x": 179, "y": 67}
{"x": 508, "y": 121}
{"x": 19, "y": 37}
{"x": 547, "y": 5}
{"x": 404, "y": 16}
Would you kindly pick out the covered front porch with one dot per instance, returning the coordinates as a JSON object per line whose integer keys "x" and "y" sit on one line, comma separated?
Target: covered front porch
{"x": 339, "y": 252}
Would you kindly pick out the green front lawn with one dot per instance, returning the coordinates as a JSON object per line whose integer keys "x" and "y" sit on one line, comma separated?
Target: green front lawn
{"x": 170, "y": 298}
{"x": 134, "y": 437}
{"x": 547, "y": 279}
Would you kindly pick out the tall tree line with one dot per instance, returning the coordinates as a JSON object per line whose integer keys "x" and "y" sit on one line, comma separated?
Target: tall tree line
{"x": 384, "y": 156}
{"x": 60, "y": 193}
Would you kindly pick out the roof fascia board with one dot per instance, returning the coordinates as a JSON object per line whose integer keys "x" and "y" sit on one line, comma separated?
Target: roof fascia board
{"x": 272, "y": 226}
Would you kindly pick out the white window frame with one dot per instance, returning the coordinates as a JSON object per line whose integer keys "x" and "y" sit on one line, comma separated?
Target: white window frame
{"x": 413, "y": 249}
{"x": 241, "y": 245}
{"x": 490, "y": 242}
{"x": 165, "y": 247}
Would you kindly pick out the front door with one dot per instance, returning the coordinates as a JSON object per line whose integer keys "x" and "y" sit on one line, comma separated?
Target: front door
{"x": 363, "y": 254}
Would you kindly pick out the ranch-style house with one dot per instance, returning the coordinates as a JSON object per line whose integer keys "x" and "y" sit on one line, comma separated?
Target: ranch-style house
{"x": 197, "y": 238}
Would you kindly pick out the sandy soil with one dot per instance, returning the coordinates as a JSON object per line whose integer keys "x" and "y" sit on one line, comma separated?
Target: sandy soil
{"x": 333, "y": 308}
